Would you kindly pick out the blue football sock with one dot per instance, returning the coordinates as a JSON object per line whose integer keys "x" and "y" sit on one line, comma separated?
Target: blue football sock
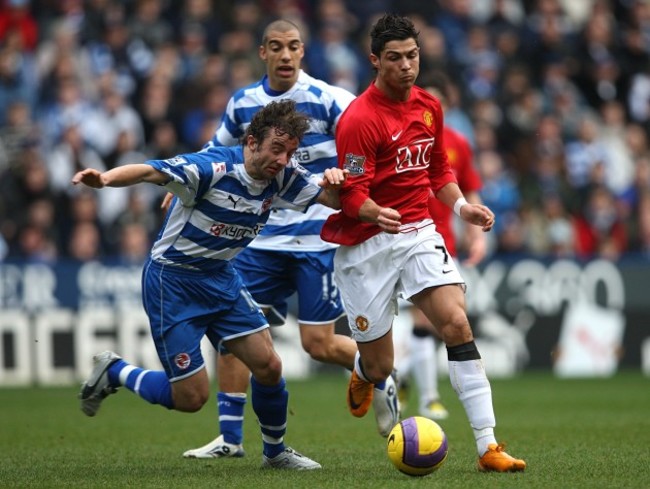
{"x": 151, "y": 385}
{"x": 270, "y": 405}
{"x": 231, "y": 416}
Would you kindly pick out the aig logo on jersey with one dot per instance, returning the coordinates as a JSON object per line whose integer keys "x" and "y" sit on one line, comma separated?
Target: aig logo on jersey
{"x": 415, "y": 156}
{"x": 354, "y": 164}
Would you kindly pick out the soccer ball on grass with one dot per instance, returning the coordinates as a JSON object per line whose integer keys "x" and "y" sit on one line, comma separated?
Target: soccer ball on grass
{"x": 417, "y": 446}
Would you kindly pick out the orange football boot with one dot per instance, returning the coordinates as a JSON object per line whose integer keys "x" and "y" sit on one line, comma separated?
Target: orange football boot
{"x": 360, "y": 395}
{"x": 497, "y": 460}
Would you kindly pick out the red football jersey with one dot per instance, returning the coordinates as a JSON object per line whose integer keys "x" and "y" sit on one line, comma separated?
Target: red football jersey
{"x": 459, "y": 156}
{"x": 395, "y": 154}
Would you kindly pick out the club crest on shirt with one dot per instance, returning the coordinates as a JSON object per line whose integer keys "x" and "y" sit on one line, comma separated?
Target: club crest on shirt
{"x": 266, "y": 205}
{"x": 218, "y": 167}
{"x": 176, "y": 160}
{"x": 354, "y": 164}
{"x": 427, "y": 117}
{"x": 361, "y": 323}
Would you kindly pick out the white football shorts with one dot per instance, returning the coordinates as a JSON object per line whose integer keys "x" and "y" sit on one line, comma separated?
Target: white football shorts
{"x": 372, "y": 275}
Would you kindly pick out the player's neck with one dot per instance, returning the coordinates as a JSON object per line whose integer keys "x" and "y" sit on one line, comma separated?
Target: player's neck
{"x": 396, "y": 95}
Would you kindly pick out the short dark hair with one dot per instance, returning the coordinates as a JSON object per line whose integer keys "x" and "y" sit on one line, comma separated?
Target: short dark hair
{"x": 280, "y": 25}
{"x": 282, "y": 116}
{"x": 391, "y": 27}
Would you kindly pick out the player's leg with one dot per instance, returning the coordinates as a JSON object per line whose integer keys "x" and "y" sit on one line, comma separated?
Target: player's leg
{"x": 183, "y": 385}
{"x": 424, "y": 366}
{"x": 323, "y": 344}
{"x": 319, "y": 306}
{"x": 440, "y": 294}
{"x": 111, "y": 372}
{"x": 372, "y": 380}
{"x": 402, "y": 332}
{"x": 445, "y": 308}
{"x": 269, "y": 399}
{"x": 233, "y": 379}
{"x": 264, "y": 274}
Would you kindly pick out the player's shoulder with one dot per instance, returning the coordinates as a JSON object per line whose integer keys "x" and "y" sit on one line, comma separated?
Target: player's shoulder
{"x": 425, "y": 96}
{"x": 246, "y": 92}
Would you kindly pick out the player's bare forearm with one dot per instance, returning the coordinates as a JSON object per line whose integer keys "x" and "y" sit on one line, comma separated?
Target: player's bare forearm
{"x": 121, "y": 176}
{"x": 476, "y": 214}
{"x": 386, "y": 218}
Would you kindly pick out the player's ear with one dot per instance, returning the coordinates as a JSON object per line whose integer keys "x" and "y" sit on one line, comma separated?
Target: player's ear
{"x": 374, "y": 60}
{"x": 251, "y": 142}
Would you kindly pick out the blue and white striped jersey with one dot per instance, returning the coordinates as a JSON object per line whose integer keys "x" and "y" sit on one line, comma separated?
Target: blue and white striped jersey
{"x": 219, "y": 209}
{"x": 324, "y": 103}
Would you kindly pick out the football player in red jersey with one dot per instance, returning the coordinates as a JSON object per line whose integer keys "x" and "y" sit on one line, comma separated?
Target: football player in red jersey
{"x": 415, "y": 345}
{"x": 392, "y": 137}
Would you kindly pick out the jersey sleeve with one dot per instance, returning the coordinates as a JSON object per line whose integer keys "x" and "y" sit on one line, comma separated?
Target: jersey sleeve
{"x": 298, "y": 188}
{"x": 191, "y": 175}
{"x": 341, "y": 98}
{"x": 356, "y": 147}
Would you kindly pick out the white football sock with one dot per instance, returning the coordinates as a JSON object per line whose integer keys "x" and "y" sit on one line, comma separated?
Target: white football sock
{"x": 473, "y": 388}
{"x": 423, "y": 366}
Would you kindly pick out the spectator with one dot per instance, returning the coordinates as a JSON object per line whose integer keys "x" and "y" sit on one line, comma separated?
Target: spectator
{"x": 149, "y": 25}
{"x": 70, "y": 155}
{"x": 208, "y": 113}
{"x": 16, "y": 19}
{"x": 599, "y": 231}
{"x": 499, "y": 192}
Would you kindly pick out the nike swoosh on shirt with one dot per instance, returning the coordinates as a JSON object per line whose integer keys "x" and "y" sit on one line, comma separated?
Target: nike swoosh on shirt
{"x": 395, "y": 136}
{"x": 447, "y": 271}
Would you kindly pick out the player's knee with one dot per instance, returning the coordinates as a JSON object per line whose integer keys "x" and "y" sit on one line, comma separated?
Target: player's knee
{"x": 270, "y": 372}
{"x": 457, "y": 330}
{"x": 191, "y": 402}
{"x": 317, "y": 350}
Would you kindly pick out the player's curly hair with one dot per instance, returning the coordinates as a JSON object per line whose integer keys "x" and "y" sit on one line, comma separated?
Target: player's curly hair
{"x": 281, "y": 116}
{"x": 391, "y": 27}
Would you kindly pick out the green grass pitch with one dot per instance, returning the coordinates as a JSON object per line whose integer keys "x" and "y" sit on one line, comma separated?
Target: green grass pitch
{"x": 582, "y": 433}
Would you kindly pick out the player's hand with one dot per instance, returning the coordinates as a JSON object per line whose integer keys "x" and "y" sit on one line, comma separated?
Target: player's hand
{"x": 334, "y": 178}
{"x": 478, "y": 215}
{"x": 90, "y": 177}
{"x": 389, "y": 220}
{"x": 167, "y": 201}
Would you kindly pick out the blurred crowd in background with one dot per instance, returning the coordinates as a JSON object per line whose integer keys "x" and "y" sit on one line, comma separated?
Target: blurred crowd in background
{"x": 554, "y": 96}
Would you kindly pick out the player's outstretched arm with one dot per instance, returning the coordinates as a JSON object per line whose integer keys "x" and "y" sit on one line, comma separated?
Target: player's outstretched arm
{"x": 121, "y": 176}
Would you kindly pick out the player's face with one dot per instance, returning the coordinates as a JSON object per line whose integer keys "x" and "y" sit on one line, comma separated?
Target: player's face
{"x": 282, "y": 54}
{"x": 271, "y": 155}
{"x": 397, "y": 68}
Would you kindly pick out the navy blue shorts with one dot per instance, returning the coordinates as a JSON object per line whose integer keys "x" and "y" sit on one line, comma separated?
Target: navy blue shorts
{"x": 273, "y": 276}
{"x": 183, "y": 306}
